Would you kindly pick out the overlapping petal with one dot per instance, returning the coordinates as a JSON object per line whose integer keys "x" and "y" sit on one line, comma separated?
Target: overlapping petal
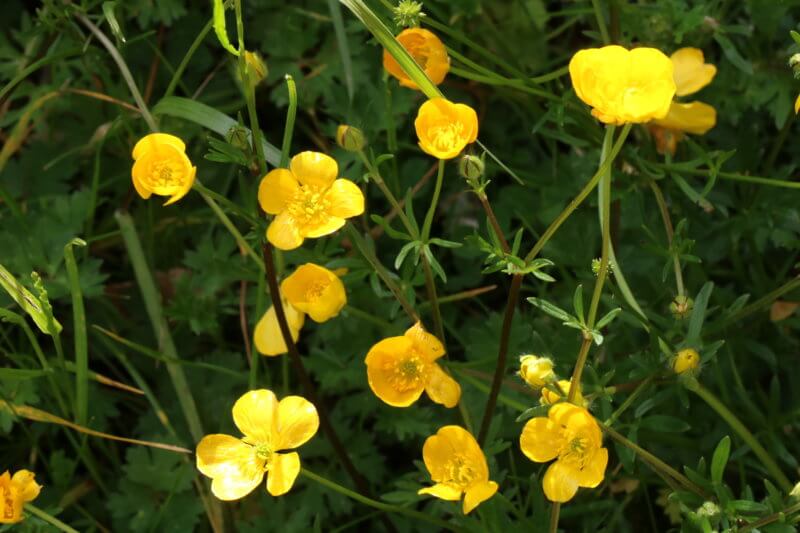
{"x": 297, "y": 421}
{"x": 255, "y": 413}
{"x": 231, "y": 465}
{"x": 276, "y": 190}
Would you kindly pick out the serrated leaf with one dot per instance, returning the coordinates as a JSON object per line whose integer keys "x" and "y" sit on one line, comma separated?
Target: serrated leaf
{"x": 219, "y": 27}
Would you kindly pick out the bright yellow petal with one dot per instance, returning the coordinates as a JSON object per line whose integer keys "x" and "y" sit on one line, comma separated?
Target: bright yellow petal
{"x": 283, "y": 470}
{"x": 477, "y": 494}
{"x": 469, "y": 118}
{"x": 276, "y": 189}
{"x": 140, "y": 187}
{"x": 231, "y": 464}
{"x": 439, "y": 450}
{"x": 315, "y": 290}
{"x": 442, "y": 388}
{"x": 185, "y": 187}
{"x": 150, "y": 142}
{"x": 346, "y": 199}
{"x": 694, "y": 117}
{"x": 314, "y": 168}
{"x": 27, "y": 488}
{"x": 382, "y": 372}
{"x": 324, "y": 225}
{"x": 297, "y": 422}
{"x": 283, "y": 232}
{"x": 267, "y": 335}
{"x": 576, "y": 419}
{"x": 428, "y": 345}
{"x": 560, "y": 482}
{"x": 443, "y": 492}
{"x": 595, "y": 470}
{"x": 541, "y": 439}
{"x": 797, "y": 104}
{"x": 254, "y": 413}
{"x": 691, "y": 72}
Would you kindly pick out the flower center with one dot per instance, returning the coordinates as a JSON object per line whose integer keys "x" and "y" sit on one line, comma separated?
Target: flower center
{"x": 165, "y": 174}
{"x": 8, "y": 504}
{"x": 309, "y": 205}
{"x": 460, "y": 471}
{"x": 446, "y": 136}
{"x": 576, "y": 451}
{"x": 315, "y": 290}
{"x": 409, "y": 372}
{"x": 263, "y": 454}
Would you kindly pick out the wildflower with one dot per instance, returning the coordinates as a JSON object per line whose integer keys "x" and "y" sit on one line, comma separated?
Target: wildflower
{"x": 307, "y": 199}
{"x": 14, "y": 492}
{"x": 550, "y": 397}
{"x": 623, "y": 85}
{"x": 536, "y": 371}
{"x": 445, "y": 128}
{"x": 458, "y": 466}
{"x": 570, "y": 435}
{"x": 267, "y": 335}
{"x": 400, "y": 368}
{"x": 237, "y": 465}
{"x": 426, "y": 49}
{"x": 315, "y": 290}
{"x": 691, "y": 74}
{"x": 161, "y": 167}
{"x": 350, "y": 138}
{"x": 685, "y": 360}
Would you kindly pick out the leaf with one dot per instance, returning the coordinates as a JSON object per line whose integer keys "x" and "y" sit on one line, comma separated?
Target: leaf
{"x": 551, "y": 309}
{"x": 393, "y": 233}
{"x": 219, "y": 27}
{"x": 795, "y": 36}
{"x": 404, "y": 251}
{"x": 539, "y": 410}
{"x": 108, "y": 12}
{"x": 608, "y": 318}
{"x": 445, "y": 244}
{"x": 733, "y": 55}
{"x": 699, "y": 314}
{"x": 664, "y": 424}
{"x": 577, "y": 303}
{"x": 720, "y": 459}
{"x": 27, "y": 301}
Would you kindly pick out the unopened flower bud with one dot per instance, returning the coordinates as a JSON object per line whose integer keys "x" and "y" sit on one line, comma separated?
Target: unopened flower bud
{"x": 239, "y": 137}
{"x": 596, "y": 267}
{"x": 408, "y": 13}
{"x": 681, "y": 307}
{"x": 550, "y": 397}
{"x": 255, "y": 67}
{"x": 686, "y": 360}
{"x": 709, "y": 510}
{"x": 536, "y": 371}
{"x": 350, "y": 138}
{"x": 471, "y": 167}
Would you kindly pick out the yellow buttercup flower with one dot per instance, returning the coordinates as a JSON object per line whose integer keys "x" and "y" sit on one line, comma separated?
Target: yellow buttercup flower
{"x": 400, "y": 368}
{"x": 161, "y": 167}
{"x": 445, "y": 128}
{"x": 426, "y": 49}
{"x": 691, "y": 74}
{"x": 316, "y": 291}
{"x": 685, "y": 360}
{"x": 550, "y": 397}
{"x": 458, "y": 466}
{"x": 536, "y": 371}
{"x": 623, "y": 85}
{"x": 270, "y": 428}
{"x": 15, "y": 491}
{"x": 571, "y": 436}
{"x": 267, "y": 335}
{"x": 307, "y": 199}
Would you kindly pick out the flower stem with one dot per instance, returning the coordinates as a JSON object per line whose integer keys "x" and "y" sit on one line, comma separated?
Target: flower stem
{"x": 629, "y": 400}
{"x": 601, "y": 22}
{"x": 662, "y": 207}
{"x": 555, "y": 511}
{"x": 771, "y": 518}
{"x": 735, "y": 424}
{"x": 487, "y": 208}
{"x": 237, "y": 236}
{"x": 185, "y": 61}
{"x": 374, "y": 503}
{"x": 378, "y": 179}
{"x": 430, "y": 286}
{"x": 288, "y": 128}
{"x": 249, "y": 91}
{"x": 426, "y": 226}
{"x": 50, "y": 519}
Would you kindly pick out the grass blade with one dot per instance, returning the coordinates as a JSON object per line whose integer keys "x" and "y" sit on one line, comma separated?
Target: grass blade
{"x": 79, "y": 326}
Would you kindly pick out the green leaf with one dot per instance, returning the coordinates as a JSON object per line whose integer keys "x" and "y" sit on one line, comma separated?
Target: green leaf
{"x": 404, "y": 251}
{"x": 393, "y": 233}
{"x": 108, "y": 12}
{"x": 577, "y": 303}
{"x": 795, "y": 36}
{"x": 27, "y": 301}
{"x": 445, "y": 244}
{"x": 608, "y": 318}
{"x": 720, "y": 459}
{"x": 699, "y": 314}
{"x": 20, "y": 374}
{"x": 733, "y": 55}
{"x": 219, "y": 27}
{"x": 552, "y": 309}
{"x": 664, "y": 424}
{"x": 539, "y": 410}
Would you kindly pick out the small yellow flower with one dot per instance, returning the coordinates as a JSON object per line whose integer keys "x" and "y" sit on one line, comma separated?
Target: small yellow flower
{"x": 623, "y": 85}
{"x": 536, "y": 371}
{"x": 14, "y": 492}
{"x": 550, "y": 397}
{"x": 161, "y": 167}
{"x": 426, "y": 49}
{"x": 316, "y": 291}
{"x": 445, "y": 128}
{"x": 237, "y": 465}
{"x": 691, "y": 74}
{"x": 307, "y": 199}
{"x": 267, "y": 335}
{"x": 571, "y": 436}
{"x": 685, "y": 360}
{"x": 458, "y": 466}
{"x": 400, "y": 368}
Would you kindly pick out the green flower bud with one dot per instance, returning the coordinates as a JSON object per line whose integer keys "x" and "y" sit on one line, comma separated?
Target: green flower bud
{"x": 350, "y": 138}
{"x": 681, "y": 307}
{"x": 408, "y": 13}
{"x": 255, "y": 67}
{"x": 471, "y": 167}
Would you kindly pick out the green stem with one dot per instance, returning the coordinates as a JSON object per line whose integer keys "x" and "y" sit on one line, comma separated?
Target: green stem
{"x": 430, "y": 286}
{"x": 378, "y": 179}
{"x": 123, "y": 68}
{"x": 780, "y": 515}
{"x": 249, "y": 91}
{"x": 374, "y": 503}
{"x": 227, "y": 204}
{"x": 740, "y": 429}
{"x": 629, "y": 400}
{"x": 733, "y": 176}
{"x": 555, "y": 511}
{"x": 601, "y": 22}
{"x": 291, "y": 115}
{"x": 240, "y": 240}
{"x": 662, "y": 207}
{"x": 79, "y": 326}
{"x": 426, "y": 226}
{"x": 188, "y": 56}
{"x": 50, "y": 519}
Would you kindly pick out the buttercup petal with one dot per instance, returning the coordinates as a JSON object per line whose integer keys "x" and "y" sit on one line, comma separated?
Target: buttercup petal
{"x": 315, "y": 169}
{"x": 477, "y": 494}
{"x": 231, "y": 464}
{"x": 560, "y": 482}
{"x": 297, "y": 422}
{"x": 691, "y": 73}
{"x": 324, "y": 225}
{"x": 426, "y": 49}
{"x": 437, "y": 451}
{"x": 315, "y": 290}
{"x": 442, "y": 388}
{"x": 462, "y": 442}
{"x": 693, "y": 117}
{"x": 267, "y": 335}
{"x": 443, "y": 492}
{"x": 595, "y": 470}
{"x": 797, "y": 105}
{"x": 283, "y": 232}
{"x": 381, "y": 364}
{"x": 469, "y": 118}
{"x": 185, "y": 188}
{"x": 141, "y": 189}
{"x": 283, "y": 470}
{"x": 427, "y": 344}
{"x": 541, "y": 439}
{"x": 254, "y": 413}
{"x": 27, "y": 488}
{"x": 276, "y": 189}
{"x": 346, "y": 199}
{"x": 152, "y": 141}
